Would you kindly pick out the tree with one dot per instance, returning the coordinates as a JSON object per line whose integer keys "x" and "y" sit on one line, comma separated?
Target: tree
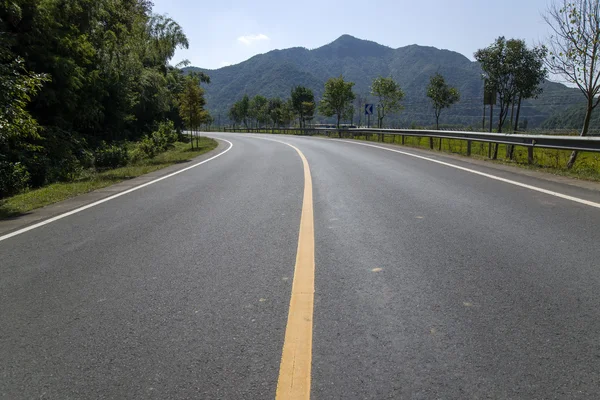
{"x": 192, "y": 104}
{"x": 308, "y": 111}
{"x": 300, "y": 98}
{"x": 244, "y": 109}
{"x": 287, "y": 112}
{"x": 259, "y": 109}
{"x": 500, "y": 62}
{"x": 442, "y": 95}
{"x": 530, "y": 74}
{"x": 275, "y": 106}
{"x": 337, "y": 98}
{"x": 108, "y": 79}
{"x": 389, "y": 94}
{"x": 239, "y": 112}
{"x": 574, "y": 51}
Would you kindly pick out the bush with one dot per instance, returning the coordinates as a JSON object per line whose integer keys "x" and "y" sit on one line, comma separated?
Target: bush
{"x": 147, "y": 146}
{"x": 110, "y": 156}
{"x": 14, "y": 178}
{"x": 159, "y": 141}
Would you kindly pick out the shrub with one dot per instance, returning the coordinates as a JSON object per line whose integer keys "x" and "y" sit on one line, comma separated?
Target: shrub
{"x": 147, "y": 146}
{"x": 159, "y": 141}
{"x": 14, "y": 178}
{"x": 110, "y": 156}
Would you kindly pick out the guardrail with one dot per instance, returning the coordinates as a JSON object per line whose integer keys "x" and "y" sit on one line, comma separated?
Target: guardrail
{"x": 579, "y": 143}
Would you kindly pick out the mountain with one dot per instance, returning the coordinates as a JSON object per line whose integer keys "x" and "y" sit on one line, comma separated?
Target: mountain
{"x": 273, "y": 75}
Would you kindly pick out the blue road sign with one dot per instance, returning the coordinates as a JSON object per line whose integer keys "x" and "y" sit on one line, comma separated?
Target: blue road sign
{"x": 368, "y": 109}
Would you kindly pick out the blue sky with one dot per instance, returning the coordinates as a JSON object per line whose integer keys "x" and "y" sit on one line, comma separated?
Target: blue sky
{"x": 231, "y": 31}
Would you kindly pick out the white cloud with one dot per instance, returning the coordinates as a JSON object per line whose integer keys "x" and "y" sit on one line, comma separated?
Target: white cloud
{"x": 249, "y": 39}
{"x": 226, "y": 63}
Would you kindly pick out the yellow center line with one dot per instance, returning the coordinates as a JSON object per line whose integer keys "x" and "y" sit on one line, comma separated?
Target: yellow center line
{"x": 296, "y": 359}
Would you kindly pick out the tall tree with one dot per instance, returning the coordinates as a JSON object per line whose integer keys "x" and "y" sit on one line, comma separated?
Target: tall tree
{"x": 300, "y": 97}
{"x": 574, "y": 51}
{"x": 530, "y": 74}
{"x": 389, "y": 95}
{"x": 442, "y": 95}
{"x": 500, "y": 62}
{"x": 192, "y": 104}
{"x": 337, "y": 98}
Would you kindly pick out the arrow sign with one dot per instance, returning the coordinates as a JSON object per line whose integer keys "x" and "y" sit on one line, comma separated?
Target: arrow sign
{"x": 368, "y": 109}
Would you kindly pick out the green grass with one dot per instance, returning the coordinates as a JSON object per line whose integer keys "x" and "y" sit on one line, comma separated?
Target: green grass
{"x": 546, "y": 160}
{"x": 91, "y": 180}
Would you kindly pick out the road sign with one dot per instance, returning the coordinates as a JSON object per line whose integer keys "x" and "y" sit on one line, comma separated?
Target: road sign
{"x": 368, "y": 109}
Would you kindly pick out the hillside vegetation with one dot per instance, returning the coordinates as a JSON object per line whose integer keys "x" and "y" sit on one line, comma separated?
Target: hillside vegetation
{"x": 360, "y": 61}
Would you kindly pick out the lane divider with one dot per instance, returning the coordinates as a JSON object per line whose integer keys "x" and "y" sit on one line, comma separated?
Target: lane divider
{"x": 80, "y": 209}
{"x": 294, "y": 380}
{"x": 296, "y": 359}
{"x": 497, "y": 178}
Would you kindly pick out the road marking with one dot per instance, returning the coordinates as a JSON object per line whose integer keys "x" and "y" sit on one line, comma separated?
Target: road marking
{"x": 77, "y": 210}
{"x": 296, "y": 358}
{"x": 511, "y": 182}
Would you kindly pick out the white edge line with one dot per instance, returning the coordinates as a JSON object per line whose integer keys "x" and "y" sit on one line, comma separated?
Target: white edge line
{"x": 77, "y": 210}
{"x": 511, "y": 182}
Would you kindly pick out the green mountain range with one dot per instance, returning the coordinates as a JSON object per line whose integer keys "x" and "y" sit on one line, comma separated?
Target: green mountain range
{"x": 274, "y": 74}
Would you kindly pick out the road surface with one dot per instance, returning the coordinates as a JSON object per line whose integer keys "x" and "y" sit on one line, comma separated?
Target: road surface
{"x": 430, "y": 282}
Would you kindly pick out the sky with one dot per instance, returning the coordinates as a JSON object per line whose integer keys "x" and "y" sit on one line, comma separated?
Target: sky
{"x": 226, "y": 32}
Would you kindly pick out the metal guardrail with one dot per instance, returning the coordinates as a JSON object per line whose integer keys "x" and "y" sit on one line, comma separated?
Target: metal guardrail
{"x": 579, "y": 143}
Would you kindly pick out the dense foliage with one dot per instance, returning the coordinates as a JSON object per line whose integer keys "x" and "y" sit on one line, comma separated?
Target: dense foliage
{"x": 78, "y": 77}
{"x": 262, "y": 112}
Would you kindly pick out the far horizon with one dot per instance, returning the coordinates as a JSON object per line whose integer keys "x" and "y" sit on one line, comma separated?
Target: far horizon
{"x": 325, "y": 44}
{"x": 226, "y": 34}
{"x": 551, "y": 78}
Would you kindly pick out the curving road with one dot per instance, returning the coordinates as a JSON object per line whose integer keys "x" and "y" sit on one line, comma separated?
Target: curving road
{"x": 430, "y": 282}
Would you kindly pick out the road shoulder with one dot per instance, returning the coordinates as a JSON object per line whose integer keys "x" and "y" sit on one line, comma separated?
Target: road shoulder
{"x": 22, "y": 221}
{"x": 547, "y": 176}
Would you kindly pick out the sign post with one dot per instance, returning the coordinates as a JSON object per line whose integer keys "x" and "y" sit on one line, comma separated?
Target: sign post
{"x": 368, "y": 113}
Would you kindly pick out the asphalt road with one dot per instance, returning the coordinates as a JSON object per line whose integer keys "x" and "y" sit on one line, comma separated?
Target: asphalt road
{"x": 431, "y": 282}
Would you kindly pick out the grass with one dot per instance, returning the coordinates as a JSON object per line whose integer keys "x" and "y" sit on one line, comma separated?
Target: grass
{"x": 551, "y": 161}
{"x": 91, "y": 180}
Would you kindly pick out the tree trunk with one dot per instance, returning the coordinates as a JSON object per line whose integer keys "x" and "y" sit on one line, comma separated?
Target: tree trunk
{"x": 584, "y": 130}
{"x": 518, "y": 114}
{"x": 491, "y": 117}
{"x": 516, "y": 127}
